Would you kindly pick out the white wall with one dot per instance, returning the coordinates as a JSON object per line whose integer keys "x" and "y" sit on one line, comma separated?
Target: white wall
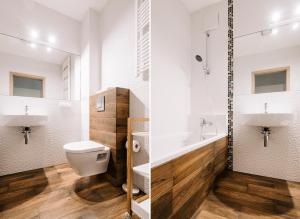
{"x": 45, "y": 147}
{"x": 171, "y": 68}
{"x": 281, "y": 159}
{"x": 209, "y": 93}
{"x": 180, "y": 93}
{"x": 117, "y": 55}
{"x": 18, "y": 18}
{"x": 51, "y": 72}
{"x": 245, "y": 65}
{"x": 117, "y": 35}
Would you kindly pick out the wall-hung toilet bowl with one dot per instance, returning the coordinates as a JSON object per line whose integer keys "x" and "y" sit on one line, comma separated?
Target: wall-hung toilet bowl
{"x": 87, "y": 158}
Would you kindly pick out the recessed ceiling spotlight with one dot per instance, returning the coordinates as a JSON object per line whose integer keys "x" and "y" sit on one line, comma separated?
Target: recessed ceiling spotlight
{"x": 276, "y": 16}
{"x": 34, "y": 34}
{"x": 51, "y": 39}
{"x": 33, "y": 45}
{"x": 49, "y": 49}
{"x": 275, "y": 31}
{"x": 295, "y": 26}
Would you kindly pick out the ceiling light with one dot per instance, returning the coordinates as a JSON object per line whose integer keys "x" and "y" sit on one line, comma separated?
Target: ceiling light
{"x": 33, "y": 45}
{"x": 34, "y": 34}
{"x": 51, "y": 39}
{"x": 49, "y": 49}
{"x": 276, "y": 16}
{"x": 275, "y": 31}
{"x": 295, "y": 26}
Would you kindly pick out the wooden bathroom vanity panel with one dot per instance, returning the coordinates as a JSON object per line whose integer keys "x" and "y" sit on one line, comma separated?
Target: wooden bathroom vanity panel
{"x": 180, "y": 186}
{"x": 109, "y": 127}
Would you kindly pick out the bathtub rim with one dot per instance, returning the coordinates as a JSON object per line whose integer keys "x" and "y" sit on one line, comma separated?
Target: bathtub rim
{"x": 185, "y": 150}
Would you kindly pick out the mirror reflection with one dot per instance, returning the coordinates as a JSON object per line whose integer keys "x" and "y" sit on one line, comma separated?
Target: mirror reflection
{"x": 34, "y": 69}
{"x": 266, "y": 90}
{"x": 267, "y": 46}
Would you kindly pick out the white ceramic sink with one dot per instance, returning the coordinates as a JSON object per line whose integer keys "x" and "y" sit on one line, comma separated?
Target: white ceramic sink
{"x": 268, "y": 119}
{"x": 23, "y": 120}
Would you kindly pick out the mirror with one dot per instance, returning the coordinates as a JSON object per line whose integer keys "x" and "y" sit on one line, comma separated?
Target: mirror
{"x": 36, "y": 70}
{"x": 266, "y": 46}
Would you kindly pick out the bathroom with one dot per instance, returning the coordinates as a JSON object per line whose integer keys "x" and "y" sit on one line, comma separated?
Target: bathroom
{"x": 182, "y": 109}
{"x": 225, "y": 144}
{"x": 69, "y": 82}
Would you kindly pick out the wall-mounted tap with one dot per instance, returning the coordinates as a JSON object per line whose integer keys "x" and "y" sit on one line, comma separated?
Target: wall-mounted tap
{"x": 266, "y": 108}
{"x": 26, "y": 110}
{"x": 204, "y": 122}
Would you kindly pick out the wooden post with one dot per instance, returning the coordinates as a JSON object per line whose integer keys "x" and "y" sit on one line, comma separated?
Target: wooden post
{"x": 129, "y": 160}
{"x": 129, "y": 166}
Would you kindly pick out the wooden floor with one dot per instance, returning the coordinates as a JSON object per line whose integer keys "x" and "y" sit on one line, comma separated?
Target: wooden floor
{"x": 245, "y": 196}
{"x": 57, "y": 192}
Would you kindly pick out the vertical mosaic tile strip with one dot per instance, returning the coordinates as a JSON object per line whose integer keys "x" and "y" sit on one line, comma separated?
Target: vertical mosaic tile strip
{"x": 230, "y": 85}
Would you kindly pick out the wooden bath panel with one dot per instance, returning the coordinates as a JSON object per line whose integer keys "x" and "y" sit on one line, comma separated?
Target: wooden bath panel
{"x": 179, "y": 186}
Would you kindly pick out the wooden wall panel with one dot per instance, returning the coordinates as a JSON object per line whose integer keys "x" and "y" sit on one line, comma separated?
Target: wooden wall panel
{"x": 180, "y": 186}
{"x": 110, "y": 128}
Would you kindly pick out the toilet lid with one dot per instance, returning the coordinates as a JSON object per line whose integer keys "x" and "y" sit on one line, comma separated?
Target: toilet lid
{"x": 83, "y": 146}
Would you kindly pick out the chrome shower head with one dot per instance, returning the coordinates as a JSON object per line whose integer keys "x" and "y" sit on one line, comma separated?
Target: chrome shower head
{"x": 198, "y": 58}
{"x": 205, "y": 68}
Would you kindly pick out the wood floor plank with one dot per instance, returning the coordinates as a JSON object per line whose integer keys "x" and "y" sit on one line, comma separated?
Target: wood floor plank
{"x": 58, "y": 193}
{"x": 245, "y": 196}
{"x": 208, "y": 215}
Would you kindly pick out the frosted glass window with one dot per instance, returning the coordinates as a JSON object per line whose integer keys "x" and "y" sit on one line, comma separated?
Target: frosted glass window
{"x": 28, "y": 86}
{"x": 271, "y": 81}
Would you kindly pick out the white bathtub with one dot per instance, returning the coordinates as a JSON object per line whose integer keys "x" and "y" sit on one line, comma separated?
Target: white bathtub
{"x": 167, "y": 148}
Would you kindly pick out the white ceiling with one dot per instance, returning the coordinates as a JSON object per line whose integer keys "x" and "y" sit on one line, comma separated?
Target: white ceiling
{"x": 21, "y": 48}
{"x": 75, "y": 9}
{"x": 263, "y": 9}
{"x": 194, "y": 5}
{"x": 256, "y": 43}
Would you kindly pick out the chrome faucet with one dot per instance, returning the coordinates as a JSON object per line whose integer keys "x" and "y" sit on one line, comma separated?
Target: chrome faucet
{"x": 26, "y": 109}
{"x": 204, "y": 122}
{"x": 266, "y": 108}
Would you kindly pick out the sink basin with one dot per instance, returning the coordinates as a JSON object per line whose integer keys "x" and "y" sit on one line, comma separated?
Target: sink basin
{"x": 24, "y": 120}
{"x": 267, "y": 119}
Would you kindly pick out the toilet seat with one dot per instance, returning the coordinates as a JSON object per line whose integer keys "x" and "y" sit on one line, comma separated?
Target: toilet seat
{"x": 84, "y": 147}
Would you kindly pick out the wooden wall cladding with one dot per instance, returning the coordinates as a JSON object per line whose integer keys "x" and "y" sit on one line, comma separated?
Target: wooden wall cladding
{"x": 180, "y": 186}
{"x": 110, "y": 128}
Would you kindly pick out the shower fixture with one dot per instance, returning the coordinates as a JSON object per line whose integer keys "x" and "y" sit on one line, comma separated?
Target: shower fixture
{"x": 204, "y": 67}
{"x": 199, "y": 58}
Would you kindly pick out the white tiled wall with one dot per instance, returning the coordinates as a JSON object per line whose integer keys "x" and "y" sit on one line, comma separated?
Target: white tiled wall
{"x": 281, "y": 159}
{"x": 45, "y": 146}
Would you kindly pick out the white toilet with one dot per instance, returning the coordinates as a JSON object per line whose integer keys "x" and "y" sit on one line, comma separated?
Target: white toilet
{"x": 87, "y": 158}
